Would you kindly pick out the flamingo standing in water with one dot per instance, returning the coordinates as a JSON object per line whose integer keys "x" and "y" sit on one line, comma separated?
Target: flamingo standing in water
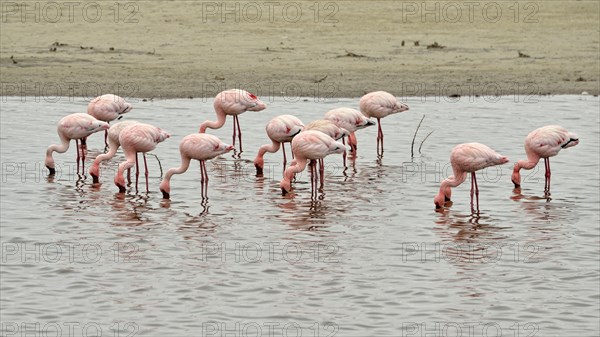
{"x": 280, "y": 130}
{"x": 379, "y": 104}
{"x": 544, "y": 142}
{"x": 136, "y": 138}
{"x": 113, "y": 146}
{"x": 309, "y": 145}
{"x": 351, "y": 120}
{"x": 75, "y": 126}
{"x": 233, "y": 102}
{"x": 468, "y": 157}
{"x": 107, "y": 108}
{"x": 201, "y": 147}
{"x": 332, "y": 130}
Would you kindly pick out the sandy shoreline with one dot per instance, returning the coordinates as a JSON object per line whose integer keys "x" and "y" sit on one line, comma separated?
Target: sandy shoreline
{"x": 170, "y": 49}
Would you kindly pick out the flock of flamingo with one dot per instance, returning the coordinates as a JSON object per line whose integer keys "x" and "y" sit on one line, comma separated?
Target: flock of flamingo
{"x": 309, "y": 143}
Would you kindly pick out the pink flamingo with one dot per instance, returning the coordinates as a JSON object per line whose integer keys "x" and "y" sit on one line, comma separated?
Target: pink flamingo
{"x": 114, "y": 144}
{"x": 107, "y": 108}
{"x": 332, "y": 130}
{"x": 309, "y": 145}
{"x": 544, "y": 142}
{"x": 351, "y": 120}
{"x": 280, "y": 130}
{"x": 468, "y": 157}
{"x": 380, "y": 104}
{"x": 201, "y": 147}
{"x": 136, "y": 138}
{"x": 75, "y": 126}
{"x": 233, "y": 102}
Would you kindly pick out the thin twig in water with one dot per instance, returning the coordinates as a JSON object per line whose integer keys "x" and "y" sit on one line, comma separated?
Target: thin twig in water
{"x": 412, "y": 146}
{"x": 159, "y": 164}
{"x": 423, "y": 141}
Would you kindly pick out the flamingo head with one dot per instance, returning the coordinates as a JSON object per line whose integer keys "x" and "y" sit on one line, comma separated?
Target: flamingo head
{"x": 341, "y": 133}
{"x": 573, "y": 140}
{"x": 516, "y": 175}
{"x": 120, "y": 182}
{"x": 286, "y": 186}
{"x": 162, "y": 135}
{"x": 126, "y": 108}
{"x": 400, "y": 107}
{"x": 501, "y": 160}
{"x": 95, "y": 173}
{"x": 165, "y": 188}
{"x": 259, "y": 163}
{"x": 97, "y": 125}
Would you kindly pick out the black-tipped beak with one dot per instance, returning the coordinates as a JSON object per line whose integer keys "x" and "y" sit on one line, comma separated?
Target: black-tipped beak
{"x": 259, "y": 171}
{"x": 570, "y": 140}
{"x": 52, "y": 170}
{"x": 95, "y": 179}
{"x": 516, "y": 185}
{"x": 446, "y": 199}
{"x": 370, "y": 122}
{"x": 437, "y": 206}
{"x": 166, "y": 195}
{"x": 283, "y": 191}
{"x": 121, "y": 189}
{"x": 295, "y": 134}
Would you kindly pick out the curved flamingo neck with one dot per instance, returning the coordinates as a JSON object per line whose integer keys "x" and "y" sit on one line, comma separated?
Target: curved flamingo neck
{"x": 529, "y": 163}
{"x": 112, "y": 150}
{"x": 271, "y": 148}
{"x": 289, "y": 173}
{"x": 216, "y": 124}
{"x": 62, "y": 148}
{"x": 185, "y": 164}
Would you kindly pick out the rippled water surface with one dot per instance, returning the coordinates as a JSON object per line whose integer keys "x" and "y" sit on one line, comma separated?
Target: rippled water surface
{"x": 369, "y": 257}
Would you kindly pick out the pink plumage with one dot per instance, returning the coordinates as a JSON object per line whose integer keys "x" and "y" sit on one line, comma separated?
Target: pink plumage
{"x": 309, "y": 145}
{"x": 544, "y": 142}
{"x": 467, "y": 158}
{"x": 113, "y": 146}
{"x": 280, "y": 129}
{"x": 199, "y": 146}
{"x": 380, "y": 104}
{"x": 75, "y": 126}
{"x": 233, "y": 102}
{"x": 108, "y": 108}
{"x": 136, "y": 138}
{"x": 351, "y": 120}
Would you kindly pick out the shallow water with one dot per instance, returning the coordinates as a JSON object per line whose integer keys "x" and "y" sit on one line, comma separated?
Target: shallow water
{"x": 368, "y": 257}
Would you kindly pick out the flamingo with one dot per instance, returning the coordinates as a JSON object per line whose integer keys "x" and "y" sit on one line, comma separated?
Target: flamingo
{"x": 136, "y": 138}
{"x": 380, "y": 104}
{"x": 280, "y": 130}
{"x": 233, "y": 102}
{"x": 114, "y": 144}
{"x": 75, "y": 126}
{"x": 332, "y": 130}
{"x": 544, "y": 142}
{"x": 107, "y": 108}
{"x": 468, "y": 157}
{"x": 351, "y": 120}
{"x": 309, "y": 145}
{"x": 201, "y": 147}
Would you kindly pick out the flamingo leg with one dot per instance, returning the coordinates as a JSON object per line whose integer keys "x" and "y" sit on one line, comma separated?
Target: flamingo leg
{"x": 379, "y": 138}
{"x": 548, "y": 174}
{"x": 129, "y": 176}
{"x": 472, "y": 190}
{"x": 204, "y": 179}
{"x": 77, "y": 148}
{"x": 105, "y": 140}
{"x": 146, "y": 172}
{"x": 313, "y": 177}
{"x": 239, "y": 132}
{"x": 137, "y": 171}
{"x": 234, "y": 134}
{"x": 284, "y": 156}
{"x": 321, "y": 172}
{"x": 476, "y": 190}
{"x": 344, "y": 154}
